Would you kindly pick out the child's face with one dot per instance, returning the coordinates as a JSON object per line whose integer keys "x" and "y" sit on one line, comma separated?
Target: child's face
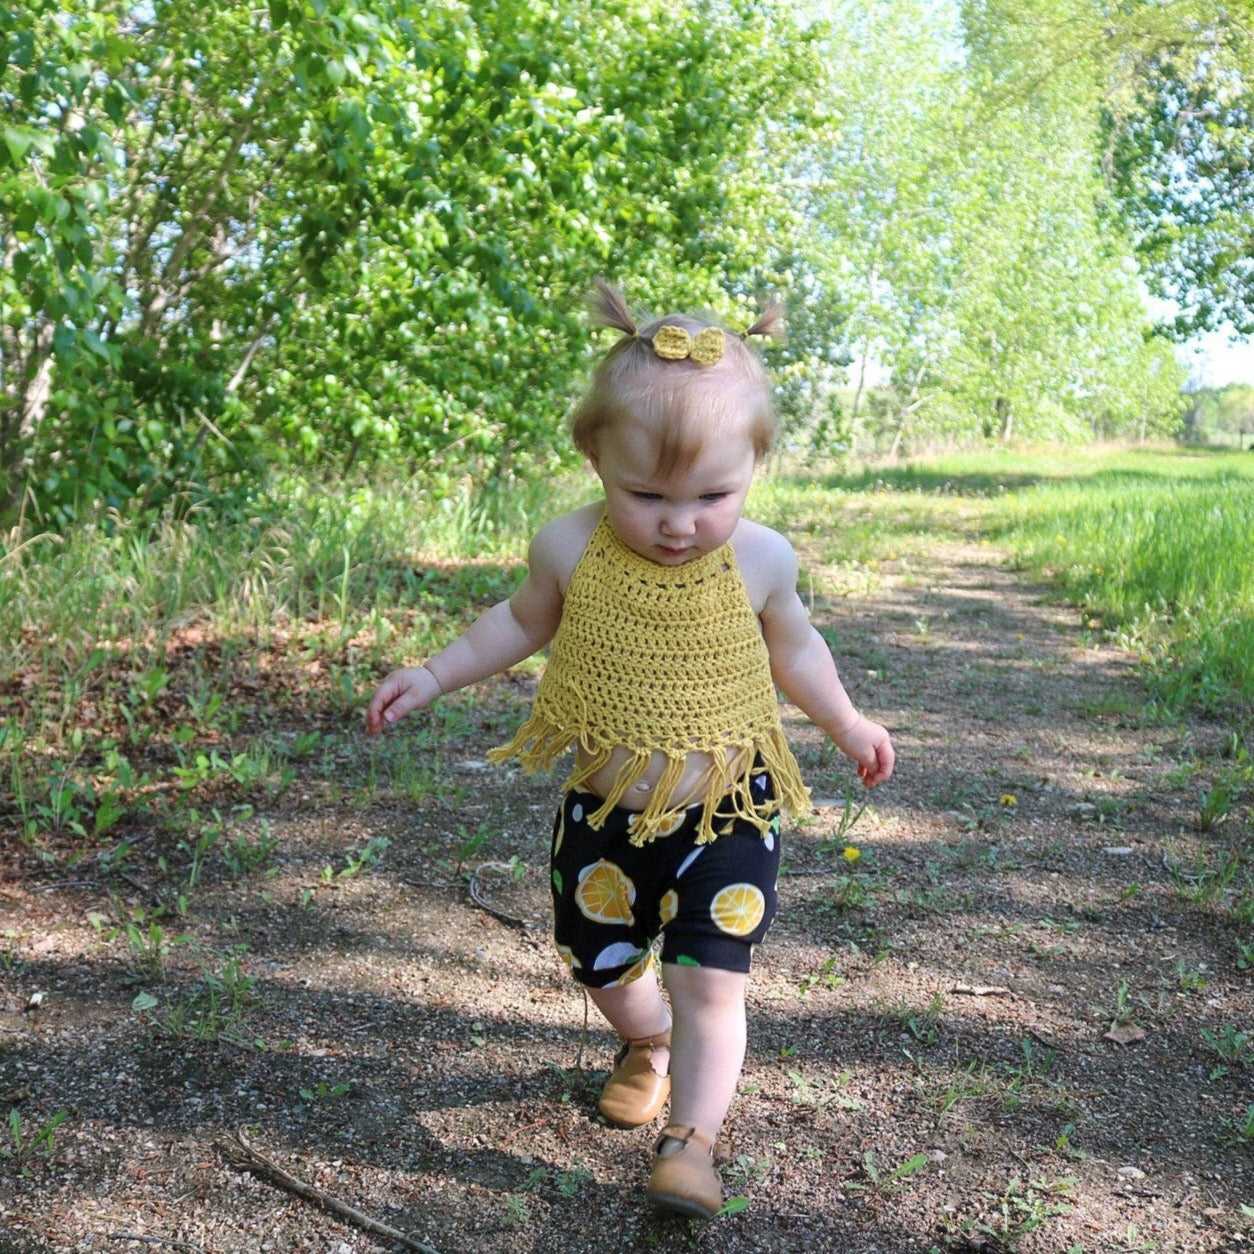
{"x": 675, "y": 519}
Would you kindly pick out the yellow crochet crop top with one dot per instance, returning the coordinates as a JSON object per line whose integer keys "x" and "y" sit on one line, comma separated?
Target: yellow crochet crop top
{"x": 668, "y": 659}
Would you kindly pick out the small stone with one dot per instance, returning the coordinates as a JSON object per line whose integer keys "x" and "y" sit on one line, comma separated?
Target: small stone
{"x": 936, "y": 1155}
{"x": 1132, "y": 1173}
{"x": 1117, "y": 851}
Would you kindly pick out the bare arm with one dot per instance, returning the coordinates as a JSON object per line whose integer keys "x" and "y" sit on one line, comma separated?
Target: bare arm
{"x": 803, "y": 668}
{"x": 498, "y": 639}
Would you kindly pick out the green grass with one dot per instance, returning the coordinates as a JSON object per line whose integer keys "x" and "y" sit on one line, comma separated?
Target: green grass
{"x": 130, "y": 655}
{"x": 1160, "y": 549}
{"x": 1155, "y": 544}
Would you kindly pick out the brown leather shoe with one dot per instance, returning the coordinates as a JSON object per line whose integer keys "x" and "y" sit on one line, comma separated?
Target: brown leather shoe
{"x": 684, "y": 1179}
{"x": 635, "y": 1093}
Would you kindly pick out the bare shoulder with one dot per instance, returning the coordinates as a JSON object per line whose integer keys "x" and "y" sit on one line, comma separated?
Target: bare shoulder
{"x": 557, "y": 547}
{"x": 767, "y": 562}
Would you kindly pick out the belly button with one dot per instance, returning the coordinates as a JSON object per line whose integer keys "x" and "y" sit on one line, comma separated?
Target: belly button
{"x": 643, "y": 786}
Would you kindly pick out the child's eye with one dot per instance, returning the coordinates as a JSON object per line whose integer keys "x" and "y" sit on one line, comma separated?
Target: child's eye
{"x": 713, "y": 496}
{"x": 647, "y": 496}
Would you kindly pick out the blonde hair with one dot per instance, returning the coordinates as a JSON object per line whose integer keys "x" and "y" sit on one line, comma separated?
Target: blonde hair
{"x": 682, "y": 401}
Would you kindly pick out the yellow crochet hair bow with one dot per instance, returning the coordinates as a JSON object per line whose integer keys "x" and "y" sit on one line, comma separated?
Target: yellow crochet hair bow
{"x": 674, "y": 344}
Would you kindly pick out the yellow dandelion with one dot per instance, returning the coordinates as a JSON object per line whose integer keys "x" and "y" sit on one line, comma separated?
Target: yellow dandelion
{"x": 1009, "y": 799}
{"x": 851, "y": 853}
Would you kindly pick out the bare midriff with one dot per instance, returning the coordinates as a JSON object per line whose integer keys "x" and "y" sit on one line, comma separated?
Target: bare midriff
{"x": 686, "y": 791}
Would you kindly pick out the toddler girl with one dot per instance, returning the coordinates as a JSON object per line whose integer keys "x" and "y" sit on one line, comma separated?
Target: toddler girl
{"x": 673, "y": 621}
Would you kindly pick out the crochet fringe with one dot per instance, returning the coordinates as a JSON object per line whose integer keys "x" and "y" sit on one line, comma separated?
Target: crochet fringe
{"x": 538, "y": 743}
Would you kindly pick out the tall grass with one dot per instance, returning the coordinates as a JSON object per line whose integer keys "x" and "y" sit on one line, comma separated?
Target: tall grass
{"x": 1164, "y": 552}
{"x": 347, "y": 556}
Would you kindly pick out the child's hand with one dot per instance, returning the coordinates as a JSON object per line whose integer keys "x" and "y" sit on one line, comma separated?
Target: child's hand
{"x": 407, "y": 689}
{"x": 870, "y": 746}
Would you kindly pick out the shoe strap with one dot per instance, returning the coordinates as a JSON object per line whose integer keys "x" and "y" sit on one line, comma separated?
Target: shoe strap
{"x": 643, "y": 1042}
{"x": 684, "y": 1134}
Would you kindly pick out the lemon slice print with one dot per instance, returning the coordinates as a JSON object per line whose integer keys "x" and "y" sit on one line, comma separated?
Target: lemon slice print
{"x": 667, "y": 828}
{"x": 568, "y": 956}
{"x": 605, "y": 894}
{"x": 634, "y": 973}
{"x": 561, "y": 832}
{"x": 738, "y": 908}
{"x": 668, "y": 907}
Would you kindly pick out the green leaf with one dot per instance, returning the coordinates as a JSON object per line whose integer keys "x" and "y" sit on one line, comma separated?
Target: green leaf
{"x": 18, "y": 142}
{"x": 97, "y": 345}
{"x": 278, "y": 14}
{"x": 144, "y": 1001}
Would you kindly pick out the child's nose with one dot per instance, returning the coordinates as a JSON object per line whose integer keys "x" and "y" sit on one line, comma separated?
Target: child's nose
{"x": 679, "y": 523}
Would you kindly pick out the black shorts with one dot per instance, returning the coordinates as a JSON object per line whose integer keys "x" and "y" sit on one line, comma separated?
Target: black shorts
{"x": 710, "y": 903}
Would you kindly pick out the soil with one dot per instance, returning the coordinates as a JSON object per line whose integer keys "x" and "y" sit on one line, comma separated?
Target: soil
{"x": 929, "y": 1064}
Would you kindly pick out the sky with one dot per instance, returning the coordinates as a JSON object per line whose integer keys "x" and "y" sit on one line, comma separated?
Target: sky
{"x": 1212, "y": 360}
{"x": 1215, "y": 362}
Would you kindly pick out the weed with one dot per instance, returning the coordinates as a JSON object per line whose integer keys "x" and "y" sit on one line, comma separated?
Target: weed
{"x": 23, "y": 1144}
{"x": 1190, "y": 979}
{"x": 149, "y": 943}
{"x": 1063, "y": 1144}
{"x": 1123, "y": 1010}
{"x": 569, "y": 1183}
{"x": 368, "y": 856}
{"x": 881, "y": 1181}
{"x": 215, "y": 1010}
{"x": 1207, "y": 882}
{"x": 970, "y": 1083}
{"x": 922, "y": 1025}
{"x": 517, "y": 1213}
{"x": 827, "y": 975}
{"x": 849, "y": 815}
{"x": 324, "y": 1092}
{"x": 1242, "y": 1129}
{"x": 850, "y": 892}
{"x": 1038, "y": 1062}
{"x": 244, "y": 855}
{"x": 745, "y": 1170}
{"x": 824, "y": 1091}
{"x": 1019, "y": 1211}
{"x": 1231, "y": 1045}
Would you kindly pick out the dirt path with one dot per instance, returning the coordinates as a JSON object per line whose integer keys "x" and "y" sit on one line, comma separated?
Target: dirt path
{"x": 946, "y": 996}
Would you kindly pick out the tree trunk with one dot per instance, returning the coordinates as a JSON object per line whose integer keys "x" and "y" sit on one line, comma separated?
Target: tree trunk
{"x": 1005, "y": 418}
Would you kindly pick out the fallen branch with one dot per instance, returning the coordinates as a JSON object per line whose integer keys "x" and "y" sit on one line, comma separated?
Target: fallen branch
{"x": 239, "y": 1153}
{"x": 472, "y": 884}
{"x": 134, "y": 1236}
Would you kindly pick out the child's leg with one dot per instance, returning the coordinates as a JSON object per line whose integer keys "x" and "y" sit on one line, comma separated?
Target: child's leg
{"x": 636, "y": 1010}
{"x": 707, "y": 1044}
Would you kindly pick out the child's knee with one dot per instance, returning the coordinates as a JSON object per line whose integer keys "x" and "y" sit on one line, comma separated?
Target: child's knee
{"x": 704, "y": 988}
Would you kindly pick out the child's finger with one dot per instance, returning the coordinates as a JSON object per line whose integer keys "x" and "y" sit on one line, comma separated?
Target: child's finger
{"x": 409, "y": 699}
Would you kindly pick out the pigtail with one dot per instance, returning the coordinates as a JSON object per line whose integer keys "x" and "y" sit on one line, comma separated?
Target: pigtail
{"x": 608, "y": 308}
{"x": 770, "y": 323}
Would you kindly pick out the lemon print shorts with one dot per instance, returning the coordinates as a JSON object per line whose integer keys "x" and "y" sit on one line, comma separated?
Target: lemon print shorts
{"x": 710, "y": 904}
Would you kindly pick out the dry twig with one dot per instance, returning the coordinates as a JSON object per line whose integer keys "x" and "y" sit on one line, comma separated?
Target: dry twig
{"x": 239, "y": 1153}
{"x": 134, "y": 1236}
{"x": 476, "y": 895}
